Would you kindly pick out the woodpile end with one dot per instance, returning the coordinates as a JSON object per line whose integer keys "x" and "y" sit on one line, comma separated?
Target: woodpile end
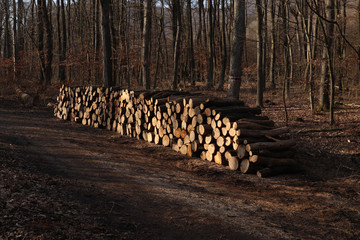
{"x": 217, "y": 130}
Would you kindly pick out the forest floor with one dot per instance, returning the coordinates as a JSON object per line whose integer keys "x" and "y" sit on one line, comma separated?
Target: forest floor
{"x": 61, "y": 180}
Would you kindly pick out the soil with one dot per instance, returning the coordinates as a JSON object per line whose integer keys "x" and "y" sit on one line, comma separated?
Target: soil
{"x": 61, "y": 180}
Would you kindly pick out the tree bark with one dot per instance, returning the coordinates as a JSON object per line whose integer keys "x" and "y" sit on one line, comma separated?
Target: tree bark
{"x": 224, "y": 48}
{"x": 146, "y": 43}
{"x": 14, "y": 43}
{"x": 210, "y": 81}
{"x": 106, "y": 43}
{"x": 62, "y": 72}
{"x": 273, "y": 44}
{"x": 259, "y": 55}
{"x": 237, "y": 47}
{"x": 191, "y": 43}
{"x": 177, "y": 28}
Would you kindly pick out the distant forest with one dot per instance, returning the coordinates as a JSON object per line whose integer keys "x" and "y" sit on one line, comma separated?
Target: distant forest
{"x": 177, "y": 43}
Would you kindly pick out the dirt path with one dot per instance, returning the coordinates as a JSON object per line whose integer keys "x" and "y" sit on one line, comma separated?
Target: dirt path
{"x": 143, "y": 191}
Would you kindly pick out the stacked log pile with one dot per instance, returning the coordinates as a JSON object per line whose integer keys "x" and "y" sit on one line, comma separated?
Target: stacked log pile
{"x": 222, "y": 131}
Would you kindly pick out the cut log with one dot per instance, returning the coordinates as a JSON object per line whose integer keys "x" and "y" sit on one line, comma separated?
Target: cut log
{"x": 284, "y": 144}
{"x": 262, "y": 133}
{"x": 241, "y": 151}
{"x": 219, "y": 159}
{"x": 183, "y": 149}
{"x": 209, "y": 156}
{"x": 251, "y": 125}
{"x": 165, "y": 140}
{"x": 233, "y": 163}
{"x": 247, "y": 167}
{"x": 271, "y": 162}
{"x": 289, "y": 153}
{"x": 264, "y": 122}
{"x": 25, "y": 98}
{"x": 228, "y": 110}
{"x": 203, "y": 155}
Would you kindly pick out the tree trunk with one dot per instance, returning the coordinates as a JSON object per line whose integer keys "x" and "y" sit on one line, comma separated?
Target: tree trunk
{"x": 210, "y": 81}
{"x": 260, "y": 45}
{"x": 106, "y": 42}
{"x": 59, "y": 45}
{"x": 159, "y": 48}
{"x": 7, "y": 40}
{"x": 146, "y": 44}
{"x": 40, "y": 34}
{"x": 177, "y": 27}
{"x": 273, "y": 44}
{"x": 224, "y": 48}
{"x": 14, "y": 47}
{"x": 327, "y": 55}
{"x": 191, "y": 44}
{"x": 62, "y": 72}
{"x": 48, "y": 43}
{"x": 237, "y": 47}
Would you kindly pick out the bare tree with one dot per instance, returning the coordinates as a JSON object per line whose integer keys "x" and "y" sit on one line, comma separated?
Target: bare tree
{"x": 146, "y": 44}
{"x": 177, "y": 34}
{"x": 210, "y": 81}
{"x": 273, "y": 43}
{"x": 223, "y": 46}
{"x": 260, "y": 52}
{"x": 106, "y": 43}
{"x": 237, "y": 47}
{"x": 190, "y": 42}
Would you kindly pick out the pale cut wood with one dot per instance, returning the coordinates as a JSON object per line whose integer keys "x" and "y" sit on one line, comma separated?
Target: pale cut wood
{"x": 216, "y": 133}
{"x": 241, "y": 151}
{"x": 222, "y": 149}
{"x": 212, "y": 148}
{"x": 218, "y": 158}
{"x": 208, "y": 139}
{"x": 157, "y": 139}
{"x": 183, "y": 149}
{"x": 189, "y": 150}
{"x": 165, "y": 140}
{"x": 247, "y": 167}
{"x": 204, "y": 129}
{"x": 228, "y": 141}
{"x": 175, "y": 147}
{"x": 233, "y": 163}
{"x": 203, "y": 155}
{"x": 220, "y": 141}
{"x": 209, "y": 156}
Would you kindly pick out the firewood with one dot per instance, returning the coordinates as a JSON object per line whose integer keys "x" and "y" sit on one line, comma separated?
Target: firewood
{"x": 241, "y": 151}
{"x": 233, "y": 163}
{"x": 209, "y": 156}
{"x": 247, "y": 167}
{"x": 264, "y": 122}
{"x": 219, "y": 159}
{"x": 263, "y": 133}
{"x": 228, "y": 110}
{"x": 184, "y": 149}
{"x": 288, "y": 153}
{"x": 271, "y": 161}
{"x": 224, "y": 131}
{"x": 284, "y": 144}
